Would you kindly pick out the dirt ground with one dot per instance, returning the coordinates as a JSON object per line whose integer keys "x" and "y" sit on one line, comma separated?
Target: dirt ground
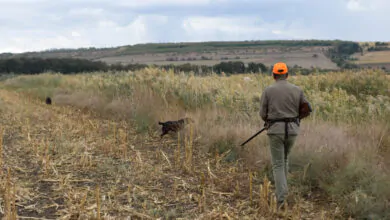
{"x": 59, "y": 162}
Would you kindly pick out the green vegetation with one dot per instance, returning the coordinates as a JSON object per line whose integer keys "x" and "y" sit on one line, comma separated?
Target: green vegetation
{"x": 341, "y": 53}
{"x": 177, "y": 47}
{"x": 39, "y": 65}
{"x": 337, "y": 51}
{"x": 378, "y": 48}
{"x": 70, "y": 66}
{"x": 102, "y": 129}
{"x": 342, "y": 155}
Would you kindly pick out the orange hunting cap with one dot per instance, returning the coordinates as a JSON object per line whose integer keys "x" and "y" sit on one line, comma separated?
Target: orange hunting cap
{"x": 280, "y": 68}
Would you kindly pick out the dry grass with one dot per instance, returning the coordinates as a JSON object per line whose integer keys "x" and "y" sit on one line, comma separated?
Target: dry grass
{"x": 96, "y": 152}
{"x": 66, "y": 164}
{"x": 373, "y": 57}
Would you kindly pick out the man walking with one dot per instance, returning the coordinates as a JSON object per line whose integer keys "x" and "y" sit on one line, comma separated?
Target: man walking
{"x": 282, "y": 105}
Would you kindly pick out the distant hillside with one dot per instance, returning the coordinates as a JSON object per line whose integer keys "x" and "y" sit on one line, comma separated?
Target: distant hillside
{"x": 93, "y": 53}
{"x": 323, "y": 54}
{"x": 373, "y": 55}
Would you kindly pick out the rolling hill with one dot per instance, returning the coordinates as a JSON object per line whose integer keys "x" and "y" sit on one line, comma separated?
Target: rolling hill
{"x": 304, "y": 53}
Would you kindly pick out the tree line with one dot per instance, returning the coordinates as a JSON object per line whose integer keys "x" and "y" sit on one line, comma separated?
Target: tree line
{"x": 72, "y": 66}
{"x": 26, "y": 65}
{"x": 341, "y": 54}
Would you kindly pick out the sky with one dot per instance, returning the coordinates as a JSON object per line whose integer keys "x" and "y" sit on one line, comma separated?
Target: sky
{"x": 36, "y": 25}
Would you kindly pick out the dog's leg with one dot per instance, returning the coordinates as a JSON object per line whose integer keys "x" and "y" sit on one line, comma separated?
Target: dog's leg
{"x": 164, "y": 133}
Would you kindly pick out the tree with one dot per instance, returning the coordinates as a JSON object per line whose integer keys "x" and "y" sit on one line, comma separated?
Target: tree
{"x": 256, "y": 67}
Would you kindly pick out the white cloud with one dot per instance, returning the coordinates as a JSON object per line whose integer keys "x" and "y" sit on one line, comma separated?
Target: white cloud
{"x": 106, "y": 33}
{"x": 145, "y": 3}
{"x": 355, "y": 5}
{"x": 86, "y": 12}
{"x": 24, "y": 44}
{"x": 75, "y": 34}
{"x": 27, "y": 25}
{"x": 373, "y": 6}
{"x": 242, "y": 28}
{"x": 22, "y": 1}
{"x": 225, "y": 24}
{"x": 109, "y": 33}
{"x": 106, "y": 24}
{"x": 276, "y": 32}
{"x": 201, "y": 28}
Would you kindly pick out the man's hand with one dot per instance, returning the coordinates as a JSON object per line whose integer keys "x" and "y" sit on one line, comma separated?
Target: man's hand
{"x": 266, "y": 125}
{"x": 304, "y": 110}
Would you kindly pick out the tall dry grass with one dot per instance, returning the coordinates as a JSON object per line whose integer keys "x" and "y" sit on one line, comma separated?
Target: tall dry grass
{"x": 341, "y": 155}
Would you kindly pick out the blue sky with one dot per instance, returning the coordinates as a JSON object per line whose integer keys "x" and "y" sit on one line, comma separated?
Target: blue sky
{"x": 34, "y": 25}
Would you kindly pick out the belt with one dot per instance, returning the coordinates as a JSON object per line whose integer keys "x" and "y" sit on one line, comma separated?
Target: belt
{"x": 286, "y": 121}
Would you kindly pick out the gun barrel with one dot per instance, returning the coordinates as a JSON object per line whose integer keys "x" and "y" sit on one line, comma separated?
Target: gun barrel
{"x": 253, "y": 136}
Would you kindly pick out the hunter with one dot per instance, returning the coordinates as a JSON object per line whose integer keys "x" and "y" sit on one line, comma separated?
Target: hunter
{"x": 282, "y": 106}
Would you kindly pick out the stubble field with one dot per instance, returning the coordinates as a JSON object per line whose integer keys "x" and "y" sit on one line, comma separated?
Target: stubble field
{"x": 96, "y": 152}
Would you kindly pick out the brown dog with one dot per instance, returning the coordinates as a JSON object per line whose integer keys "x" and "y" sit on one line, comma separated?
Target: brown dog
{"x": 174, "y": 126}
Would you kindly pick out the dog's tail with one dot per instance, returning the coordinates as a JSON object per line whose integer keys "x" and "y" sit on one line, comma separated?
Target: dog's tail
{"x": 160, "y": 123}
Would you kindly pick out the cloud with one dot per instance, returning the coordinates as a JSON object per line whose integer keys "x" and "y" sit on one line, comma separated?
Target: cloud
{"x": 29, "y": 25}
{"x": 75, "y": 34}
{"x": 86, "y": 12}
{"x": 34, "y": 43}
{"x": 355, "y": 6}
{"x": 371, "y": 6}
{"x": 156, "y": 3}
{"x": 242, "y": 28}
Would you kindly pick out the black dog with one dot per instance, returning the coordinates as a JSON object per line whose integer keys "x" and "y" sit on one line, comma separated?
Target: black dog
{"x": 48, "y": 100}
{"x": 174, "y": 126}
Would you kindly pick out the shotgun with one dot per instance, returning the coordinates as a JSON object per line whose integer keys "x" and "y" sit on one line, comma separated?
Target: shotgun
{"x": 253, "y": 136}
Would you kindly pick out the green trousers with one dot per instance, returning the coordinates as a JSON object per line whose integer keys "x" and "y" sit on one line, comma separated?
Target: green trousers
{"x": 279, "y": 159}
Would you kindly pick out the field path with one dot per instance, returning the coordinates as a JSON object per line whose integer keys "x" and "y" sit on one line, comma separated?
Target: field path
{"x": 67, "y": 163}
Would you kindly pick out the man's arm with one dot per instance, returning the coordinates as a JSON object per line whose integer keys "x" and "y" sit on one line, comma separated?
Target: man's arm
{"x": 304, "y": 106}
{"x": 264, "y": 105}
{"x": 302, "y": 97}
